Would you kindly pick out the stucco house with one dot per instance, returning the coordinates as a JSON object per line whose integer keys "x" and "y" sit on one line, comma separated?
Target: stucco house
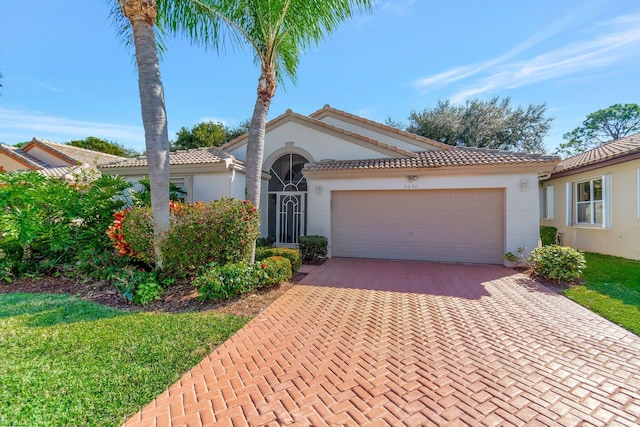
{"x": 593, "y": 199}
{"x": 52, "y": 159}
{"x": 374, "y": 191}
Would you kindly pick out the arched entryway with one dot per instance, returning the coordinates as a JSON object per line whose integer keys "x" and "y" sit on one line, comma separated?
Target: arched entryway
{"x": 287, "y": 200}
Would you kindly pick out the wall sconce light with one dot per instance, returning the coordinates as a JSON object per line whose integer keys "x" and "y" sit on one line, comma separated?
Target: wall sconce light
{"x": 524, "y": 184}
{"x": 318, "y": 189}
{"x": 412, "y": 178}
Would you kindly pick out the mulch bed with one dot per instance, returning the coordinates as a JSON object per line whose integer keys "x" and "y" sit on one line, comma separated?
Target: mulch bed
{"x": 179, "y": 297}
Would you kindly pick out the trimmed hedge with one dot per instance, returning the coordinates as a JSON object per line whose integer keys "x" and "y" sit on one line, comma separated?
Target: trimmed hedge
{"x": 313, "y": 247}
{"x": 276, "y": 269}
{"x": 293, "y": 255}
{"x": 199, "y": 233}
{"x": 548, "y": 235}
{"x": 227, "y": 281}
{"x": 559, "y": 263}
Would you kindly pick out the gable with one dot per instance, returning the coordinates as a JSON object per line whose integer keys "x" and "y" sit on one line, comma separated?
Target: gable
{"x": 9, "y": 164}
{"x": 317, "y": 140}
{"x": 47, "y": 157}
{"x": 378, "y": 131}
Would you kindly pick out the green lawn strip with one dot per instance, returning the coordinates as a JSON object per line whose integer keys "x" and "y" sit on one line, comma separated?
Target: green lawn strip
{"x": 65, "y": 361}
{"x": 612, "y": 289}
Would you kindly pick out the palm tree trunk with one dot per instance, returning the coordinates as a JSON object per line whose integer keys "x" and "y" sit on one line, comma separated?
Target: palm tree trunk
{"x": 255, "y": 143}
{"x": 154, "y": 119}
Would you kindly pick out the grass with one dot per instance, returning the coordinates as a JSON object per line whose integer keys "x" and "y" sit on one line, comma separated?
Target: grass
{"x": 612, "y": 289}
{"x": 65, "y": 361}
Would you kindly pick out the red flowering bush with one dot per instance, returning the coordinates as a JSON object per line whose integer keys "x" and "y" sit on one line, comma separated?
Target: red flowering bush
{"x": 199, "y": 233}
{"x": 276, "y": 269}
{"x": 293, "y": 255}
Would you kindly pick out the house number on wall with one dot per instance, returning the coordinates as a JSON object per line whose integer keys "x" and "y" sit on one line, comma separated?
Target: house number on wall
{"x": 410, "y": 186}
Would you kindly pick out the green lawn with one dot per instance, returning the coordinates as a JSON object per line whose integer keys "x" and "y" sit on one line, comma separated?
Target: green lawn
{"x": 65, "y": 361}
{"x": 612, "y": 289}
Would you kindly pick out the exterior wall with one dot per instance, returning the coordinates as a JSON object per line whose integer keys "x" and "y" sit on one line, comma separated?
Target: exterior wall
{"x": 372, "y": 133}
{"x": 623, "y": 237}
{"x": 8, "y": 164}
{"x": 321, "y": 145}
{"x": 48, "y": 158}
{"x": 521, "y": 207}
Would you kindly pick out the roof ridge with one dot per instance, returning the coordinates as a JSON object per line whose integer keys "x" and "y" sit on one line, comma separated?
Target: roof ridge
{"x": 608, "y": 151}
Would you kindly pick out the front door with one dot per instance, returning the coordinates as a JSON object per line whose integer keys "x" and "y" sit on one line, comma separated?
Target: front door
{"x": 290, "y": 217}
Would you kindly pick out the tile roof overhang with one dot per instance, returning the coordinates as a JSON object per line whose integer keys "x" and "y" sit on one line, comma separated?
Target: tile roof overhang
{"x": 205, "y": 159}
{"x": 457, "y": 160}
{"x": 348, "y": 135}
{"x": 612, "y": 153}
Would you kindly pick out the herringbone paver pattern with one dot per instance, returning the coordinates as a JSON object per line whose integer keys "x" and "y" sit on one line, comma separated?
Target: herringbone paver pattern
{"x": 493, "y": 348}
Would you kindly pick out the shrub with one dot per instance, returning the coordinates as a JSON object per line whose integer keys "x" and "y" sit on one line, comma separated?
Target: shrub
{"x": 265, "y": 242}
{"x": 199, "y": 233}
{"x": 276, "y": 269}
{"x": 313, "y": 247}
{"x": 46, "y": 219}
{"x": 293, "y": 255}
{"x": 227, "y": 281}
{"x": 559, "y": 263}
{"x": 548, "y": 235}
{"x": 138, "y": 286}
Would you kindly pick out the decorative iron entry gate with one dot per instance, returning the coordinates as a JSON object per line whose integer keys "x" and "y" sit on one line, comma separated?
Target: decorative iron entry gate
{"x": 287, "y": 200}
{"x": 290, "y": 217}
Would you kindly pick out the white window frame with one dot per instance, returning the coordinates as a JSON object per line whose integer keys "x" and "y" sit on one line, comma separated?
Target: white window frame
{"x": 186, "y": 184}
{"x": 572, "y": 203}
{"x": 546, "y": 202}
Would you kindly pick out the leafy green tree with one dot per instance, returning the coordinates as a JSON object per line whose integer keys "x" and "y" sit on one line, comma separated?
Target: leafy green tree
{"x": 205, "y": 134}
{"x": 483, "y": 124}
{"x": 277, "y": 31}
{"x": 137, "y": 18}
{"x": 103, "y": 146}
{"x": 600, "y": 127}
{"x": 208, "y": 134}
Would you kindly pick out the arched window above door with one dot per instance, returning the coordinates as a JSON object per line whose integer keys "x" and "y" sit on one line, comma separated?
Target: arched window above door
{"x": 286, "y": 173}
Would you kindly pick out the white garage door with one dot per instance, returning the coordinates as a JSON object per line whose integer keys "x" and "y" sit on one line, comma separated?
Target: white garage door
{"x": 433, "y": 225}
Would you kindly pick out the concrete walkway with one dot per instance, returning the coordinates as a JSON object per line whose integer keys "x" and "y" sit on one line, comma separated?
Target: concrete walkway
{"x": 469, "y": 345}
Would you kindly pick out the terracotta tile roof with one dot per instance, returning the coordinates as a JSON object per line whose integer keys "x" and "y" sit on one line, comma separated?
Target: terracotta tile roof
{"x": 327, "y": 109}
{"x": 289, "y": 115}
{"x": 456, "y": 156}
{"x": 69, "y": 173}
{"x": 72, "y": 154}
{"x": 611, "y": 150}
{"x": 194, "y": 156}
{"x": 22, "y": 157}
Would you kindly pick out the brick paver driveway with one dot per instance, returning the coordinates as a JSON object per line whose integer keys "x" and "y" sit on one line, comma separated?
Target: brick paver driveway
{"x": 478, "y": 345}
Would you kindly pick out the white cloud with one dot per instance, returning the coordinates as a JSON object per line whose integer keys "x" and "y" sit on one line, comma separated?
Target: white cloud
{"x": 48, "y": 87}
{"x": 29, "y": 124}
{"x": 611, "y": 43}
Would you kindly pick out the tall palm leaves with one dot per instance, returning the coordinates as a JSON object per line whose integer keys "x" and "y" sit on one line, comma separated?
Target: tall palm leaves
{"x": 277, "y": 31}
{"x": 141, "y": 17}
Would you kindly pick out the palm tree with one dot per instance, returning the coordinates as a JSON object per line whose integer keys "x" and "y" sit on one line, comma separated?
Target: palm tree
{"x": 277, "y": 31}
{"x": 138, "y": 18}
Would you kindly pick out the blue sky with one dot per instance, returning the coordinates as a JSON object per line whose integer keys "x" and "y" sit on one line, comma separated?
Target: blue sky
{"x": 67, "y": 75}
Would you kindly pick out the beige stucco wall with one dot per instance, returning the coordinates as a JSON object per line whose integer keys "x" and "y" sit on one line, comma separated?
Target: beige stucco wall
{"x": 8, "y": 164}
{"x": 521, "y": 207}
{"x": 623, "y": 237}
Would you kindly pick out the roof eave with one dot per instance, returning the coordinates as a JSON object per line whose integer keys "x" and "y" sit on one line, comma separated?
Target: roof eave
{"x": 597, "y": 165}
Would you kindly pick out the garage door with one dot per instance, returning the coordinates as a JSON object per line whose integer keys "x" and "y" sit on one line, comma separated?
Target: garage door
{"x": 433, "y": 225}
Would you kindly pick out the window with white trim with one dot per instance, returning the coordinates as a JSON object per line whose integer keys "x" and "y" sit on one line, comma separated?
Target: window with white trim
{"x": 546, "y": 202}
{"x": 590, "y": 202}
{"x": 184, "y": 185}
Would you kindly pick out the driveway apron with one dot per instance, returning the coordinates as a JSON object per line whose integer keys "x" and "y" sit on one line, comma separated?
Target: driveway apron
{"x": 370, "y": 342}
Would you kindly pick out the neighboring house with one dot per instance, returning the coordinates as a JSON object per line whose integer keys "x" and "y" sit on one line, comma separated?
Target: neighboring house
{"x": 52, "y": 159}
{"x": 374, "y": 191}
{"x": 593, "y": 199}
